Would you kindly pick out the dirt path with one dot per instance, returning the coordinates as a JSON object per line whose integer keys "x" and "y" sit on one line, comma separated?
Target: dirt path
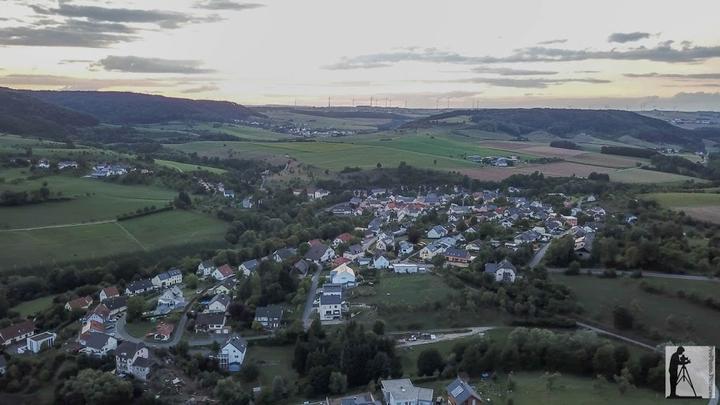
{"x": 107, "y": 221}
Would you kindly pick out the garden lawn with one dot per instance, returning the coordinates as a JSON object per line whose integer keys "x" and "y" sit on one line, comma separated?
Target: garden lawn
{"x": 29, "y": 308}
{"x": 272, "y": 361}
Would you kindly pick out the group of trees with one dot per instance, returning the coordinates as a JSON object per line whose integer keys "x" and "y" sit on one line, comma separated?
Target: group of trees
{"x": 333, "y": 361}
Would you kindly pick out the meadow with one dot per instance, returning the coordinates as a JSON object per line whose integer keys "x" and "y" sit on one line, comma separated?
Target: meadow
{"x": 701, "y": 206}
{"x": 187, "y": 167}
{"x": 240, "y": 131}
{"x": 669, "y": 316}
{"x": 49, "y": 246}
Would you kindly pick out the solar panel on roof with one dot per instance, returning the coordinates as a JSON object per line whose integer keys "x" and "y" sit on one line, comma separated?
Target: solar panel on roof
{"x": 457, "y": 391}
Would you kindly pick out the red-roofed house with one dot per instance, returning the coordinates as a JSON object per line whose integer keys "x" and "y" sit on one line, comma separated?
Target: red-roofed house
{"x": 109, "y": 292}
{"x": 340, "y": 260}
{"x": 342, "y": 238}
{"x": 163, "y": 331}
{"x": 17, "y": 332}
{"x": 79, "y": 303}
{"x": 223, "y": 272}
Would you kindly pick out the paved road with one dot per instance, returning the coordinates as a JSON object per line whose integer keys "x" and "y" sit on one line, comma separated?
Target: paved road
{"x": 307, "y": 320}
{"x": 475, "y": 330}
{"x": 538, "y": 256}
{"x": 689, "y": 277}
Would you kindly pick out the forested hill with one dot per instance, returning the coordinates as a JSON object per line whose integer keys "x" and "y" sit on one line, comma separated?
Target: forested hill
{"x": 23, "y": 114}
{"x": 135, "y": 108}
{"x": 566, "y": 123}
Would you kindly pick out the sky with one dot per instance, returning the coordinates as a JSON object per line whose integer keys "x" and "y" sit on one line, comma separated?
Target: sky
{"x": 637, "y": 54}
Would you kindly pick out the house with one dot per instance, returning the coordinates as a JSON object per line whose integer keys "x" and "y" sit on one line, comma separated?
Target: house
{"x": 249, "y": 266}
{"x": 79, "y": 304}
{"x": 283, "y": 254}
{"x": 41, "y": 341}
{"x": 226, "y": 287}
{"x": 437, "y": 232}
{"x": 163, "y": 331}
{"x": 385, "y": 242}
{"x": 100, "y": 314}
{"x": 97, "y": 344}
{"x": 17, "y": 332}
{"x": 223, "y": 272}
{"x": 406, "y": 248}
{"x": 210, "y": 322}
{"x": 269, "y": 317}
{"x": 316, "y": 194}
{"x": 364, "y": 261}
{"x": 171, "y": 299}
{"x": 461, "y": 393}
{"x": 403, "y": 268}
{"x": 353, "y": 252}
{"x": 168, "y": 278}
{"x": 109, "y": 292}
{"x": 474, "y": 246}
{"x": 91, "y": 326}
{"x": 301, "y": 267}
{"x": 67, "y": 164}
{"x": 527, "y": 237}
{"x": 330, "y": 307}
{"x": 338, "y": 261}
{"x": 228, "y": 194}
{"x": 342, "y": 238}
{"x": 43, "y": 164}
{"x": 232, "y": 353}
{"x": 402, "y": 391}
{"x": 584, "y": 246}
{"x": 503, "y": 271}
{"x": 431, "y": 250}
{"x": 116, "y": 305}
{"x": 332, "y": 289}
{"x": 133, "y": 359}
{"x": 458, "y": 257}
{"x": 139, "y": 287}
{"x": 380, "y": 262}
{"x": 205, "y": 268}
{"x": 319, "y": 253}
{"x": 247, "y": 203}
{"x": 375, "y": 224}
{"x": 219, "y": 303}
{"x": 343, "y": 275}
{"x": 569, "y": 220}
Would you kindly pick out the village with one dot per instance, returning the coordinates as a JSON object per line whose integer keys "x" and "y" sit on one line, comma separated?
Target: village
{"x": 391, "y": 242}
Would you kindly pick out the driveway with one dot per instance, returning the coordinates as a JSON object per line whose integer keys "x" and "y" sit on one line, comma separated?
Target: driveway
{"x": 472, "y": 331}
{"x": 307, "y": 320}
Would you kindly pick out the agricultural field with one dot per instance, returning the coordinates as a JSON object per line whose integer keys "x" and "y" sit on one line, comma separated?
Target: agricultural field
{"x": 318, "y": 122}
{"x": 48, "y": 246}
{"x": 19, "y": 146}
{"x": 701, "y": 206}
{"x": 240, "y": 131}
{"x": 187, "y": 167}
{"x": 90, "y": 200}
{"x": 668, "y": 315}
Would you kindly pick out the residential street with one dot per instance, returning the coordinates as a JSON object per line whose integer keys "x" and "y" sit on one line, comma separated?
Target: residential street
{"x": 307, "y": 320}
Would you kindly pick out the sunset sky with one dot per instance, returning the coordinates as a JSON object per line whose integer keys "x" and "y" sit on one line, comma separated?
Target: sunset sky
{"x": 617, "y": 54}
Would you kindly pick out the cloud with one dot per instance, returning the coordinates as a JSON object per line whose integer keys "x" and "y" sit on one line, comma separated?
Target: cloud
{"x": 200, "y": 89}
{"x": 226, "y": 5}
{"x": 534, "y": 83}
{"x": 663, "y": 52}
{"x": 76, "y": 83}
{"x": 553, "y": 42}
{"x": 678, "y": 76}
{"x": 164, "y": 19}
{"x": 513, "y": 72}
{"x": 71, "y": 33}
{"x": 136, "y": 64}
{"x": 623, "y": 37}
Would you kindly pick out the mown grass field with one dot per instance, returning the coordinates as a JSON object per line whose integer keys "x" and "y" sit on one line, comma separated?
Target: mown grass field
{"x": 49, "y": 246}
{"x": 91, "y": 200}
{"x": 32, "y": 307}
{"x": 406, "y": 289}
{"x": 600, "y": 296}
{"x": 701, "y": 206}
{"x": 187, "y": 167}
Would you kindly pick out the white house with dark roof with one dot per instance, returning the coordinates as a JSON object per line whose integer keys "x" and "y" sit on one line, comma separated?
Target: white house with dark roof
{"x": 37, "y": 343}
{"x": 139, "y": 287}
{"x": 223, "y": 272}
{"x": 232, "y": 353}
{"x": 97, "y": 344}
{"x": 133, "y": 359}
{"x": 437, "y": 232}
{"x": 210, "y": 322}
{"x": 269, "y": 316}
{"x": 219, "y": 303}
{"x": 330, "y": 307}
{"x": 319, "y": 254}
{"x": 503, "y": 271}
{"x": 205, "y": 268}
{"x": 249, "y": 266}
{"x": 168, "y": 278}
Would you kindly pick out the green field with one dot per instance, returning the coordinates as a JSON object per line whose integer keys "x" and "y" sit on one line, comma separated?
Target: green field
{"x": 92, "y": 200}
{"x": 272, "y": 361}
{"x": 599, "y": 297}
{"x": 48, "y": 246}
{"x": 406, "y": 289}
{"x": 187, "y": 167}
{"x": 637, "y": 175}
{"x": 240, "y": 131}
{"x": 674, "y": 200}
{"x": 32, "y": 307}
{"x": 365, "y": 152}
